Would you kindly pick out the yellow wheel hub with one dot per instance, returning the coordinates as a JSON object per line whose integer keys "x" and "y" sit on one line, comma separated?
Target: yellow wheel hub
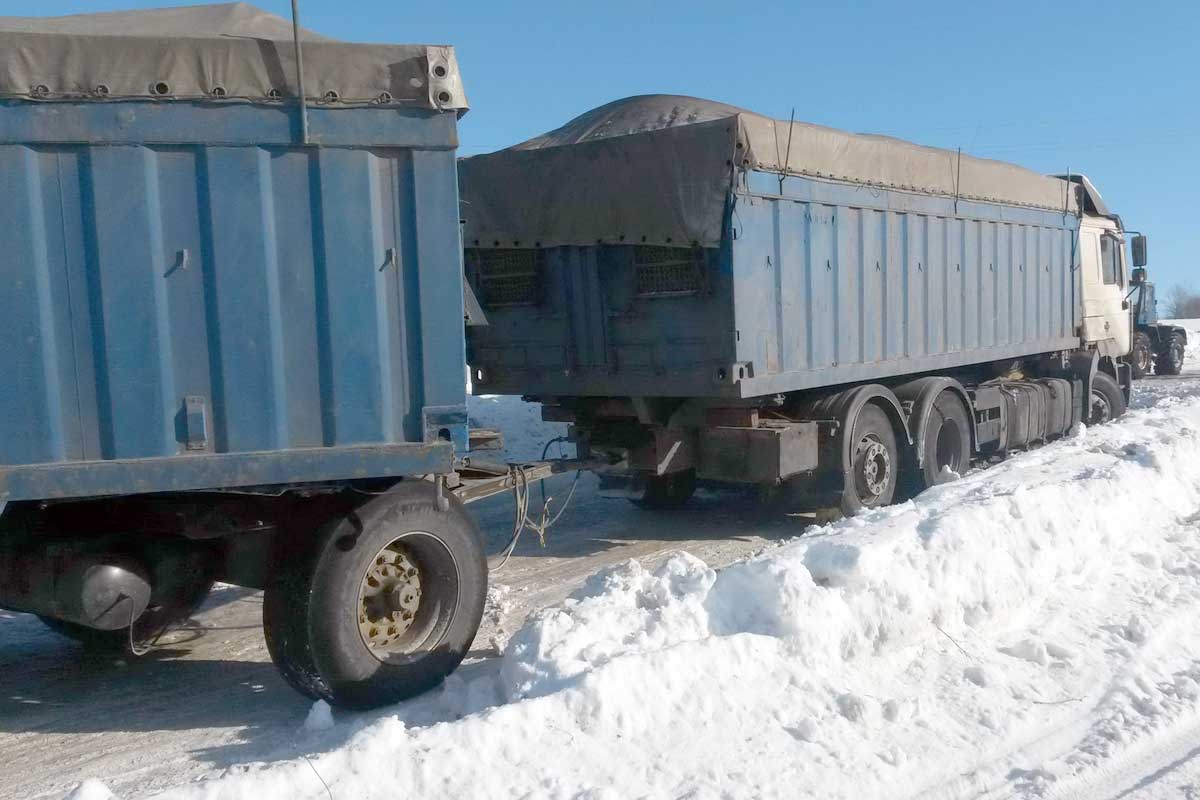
{"x": 388, "y": 598}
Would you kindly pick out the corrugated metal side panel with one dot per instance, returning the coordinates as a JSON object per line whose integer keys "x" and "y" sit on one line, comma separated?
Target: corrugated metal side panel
{"x": 310, "y": 296}
{"x": 831, "y": 292}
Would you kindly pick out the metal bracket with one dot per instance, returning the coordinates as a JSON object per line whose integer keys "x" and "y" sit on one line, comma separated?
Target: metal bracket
{"x": 182, "y": 259}
{"x": 443, "y": 502}
{"x": 195, "y": 423}
{"x": 389, "y": 258}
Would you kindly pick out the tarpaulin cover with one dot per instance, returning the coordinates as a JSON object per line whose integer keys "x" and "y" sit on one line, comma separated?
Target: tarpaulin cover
{"x": 230, "y": 51}
{"x": 658, "y": 169}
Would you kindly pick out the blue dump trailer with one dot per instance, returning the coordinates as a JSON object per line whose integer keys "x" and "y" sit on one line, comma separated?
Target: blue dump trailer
{"x": 709, "y": 294}
{"x": 231, "y": 339}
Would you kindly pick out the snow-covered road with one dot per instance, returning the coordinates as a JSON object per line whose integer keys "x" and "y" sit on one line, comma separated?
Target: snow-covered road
{"x": 210, "y": 699}
{"x": 1027, "y": 631}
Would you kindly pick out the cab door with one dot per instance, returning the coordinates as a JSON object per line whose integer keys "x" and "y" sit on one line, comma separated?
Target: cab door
{"x": 1106, "y": 319}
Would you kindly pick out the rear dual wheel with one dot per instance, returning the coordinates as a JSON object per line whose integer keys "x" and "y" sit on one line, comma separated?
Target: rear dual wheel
{"x": 382, "y": 603}
{"x": 945, "y": 446}
{"x": 869, "y": 477}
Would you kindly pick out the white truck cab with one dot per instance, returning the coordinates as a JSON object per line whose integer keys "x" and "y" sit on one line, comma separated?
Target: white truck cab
{"x": 1104, "y": 275}
{"x": 1104, "y": 280}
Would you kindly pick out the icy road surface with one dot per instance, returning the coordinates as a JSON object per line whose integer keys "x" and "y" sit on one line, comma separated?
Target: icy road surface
{"x": 1029, "y": 631}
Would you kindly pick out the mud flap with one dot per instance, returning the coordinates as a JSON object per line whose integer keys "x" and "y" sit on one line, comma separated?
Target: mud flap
{"x": 1125, "y": 380}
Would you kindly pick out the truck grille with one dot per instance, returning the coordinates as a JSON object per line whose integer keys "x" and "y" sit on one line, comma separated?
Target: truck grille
{"x": 506, "y": 277}
{"x": 667, "y": 271}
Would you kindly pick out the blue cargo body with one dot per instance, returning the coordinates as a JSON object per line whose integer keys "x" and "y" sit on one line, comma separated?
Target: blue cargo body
{"x": 194, "y": 300}
{"x": 666, "y": 246}
{"x": 815, "y": 284}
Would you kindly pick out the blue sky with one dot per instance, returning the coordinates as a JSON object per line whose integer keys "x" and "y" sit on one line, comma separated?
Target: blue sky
{"x": 1108, "y": 89}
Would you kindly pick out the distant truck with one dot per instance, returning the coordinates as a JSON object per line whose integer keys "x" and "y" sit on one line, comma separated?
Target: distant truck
{"x": 1156, "y": 346}
{"x": 709, "y": 294}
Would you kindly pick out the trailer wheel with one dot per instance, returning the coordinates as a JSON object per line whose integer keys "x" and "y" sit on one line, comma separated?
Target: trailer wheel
{"x": 1141, "y": 359}
{"x": 946, "y": 441}
{"x": 665, "y": 492}
{"x": 1169, "y": 360}
{"x": 152, "y": 623}
{"x": 1107, "y": 400}
{"x": 382, "y": 604}
{"x": 870, "y": 477}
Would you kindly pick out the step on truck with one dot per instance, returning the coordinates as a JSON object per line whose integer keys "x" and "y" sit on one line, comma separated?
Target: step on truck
{"x": 707, "y": 294}
{"x": 233, "y": 326}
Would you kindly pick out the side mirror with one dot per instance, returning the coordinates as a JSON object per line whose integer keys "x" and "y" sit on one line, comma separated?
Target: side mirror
{"x": 1138, "y": 277}
{"x": 1139, "y": 250}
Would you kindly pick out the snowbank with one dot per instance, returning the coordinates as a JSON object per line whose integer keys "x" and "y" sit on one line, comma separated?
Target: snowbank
{"x": 1012, "y": 629}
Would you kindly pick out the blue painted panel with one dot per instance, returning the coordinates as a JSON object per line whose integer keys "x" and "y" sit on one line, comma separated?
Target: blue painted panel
{"x": 239, "y": 259}
{"x": 230, "y": 123}
{"x": 941, "y": 290}
{"x": 972, "y": 276}
{"x": 954, "y": 298}
{"x": 351, "y": 261}
{"x": 124, "y": 272}
{"x": 873, "y": 286}
{"x": 438, "y": 250}
{"x": 31, "y": 391}
{"x": 302, "y": 297}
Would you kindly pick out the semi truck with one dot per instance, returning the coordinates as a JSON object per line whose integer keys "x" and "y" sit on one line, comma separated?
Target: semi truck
{"x": 708, "y": 294}
{"x": 234, "y": 325}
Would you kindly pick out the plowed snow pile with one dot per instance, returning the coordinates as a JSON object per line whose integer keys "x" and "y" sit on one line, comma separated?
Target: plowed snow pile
{"x": 1022, "y": 629}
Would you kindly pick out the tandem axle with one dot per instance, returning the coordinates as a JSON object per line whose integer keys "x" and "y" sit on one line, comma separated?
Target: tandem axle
{"x": 856, "y": 448}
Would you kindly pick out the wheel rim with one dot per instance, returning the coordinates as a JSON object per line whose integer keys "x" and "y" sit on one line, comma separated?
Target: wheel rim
{"x": 407, "y": 596}
{"x": 1176, "y": 355}
{"x": 1101, "y": 408}
{"x": 872, "y": 468}
{"x": 1143, "y": 360}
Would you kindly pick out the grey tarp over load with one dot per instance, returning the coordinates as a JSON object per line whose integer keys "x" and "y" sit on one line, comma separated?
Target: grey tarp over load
{"x": 658, "y": 169}
{"x": 231, "y": 51}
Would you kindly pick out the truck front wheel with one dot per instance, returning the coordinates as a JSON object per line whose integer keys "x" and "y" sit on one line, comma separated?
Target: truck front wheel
{"x": 382, "y": 604}
{"x": 1107, "y": 401}
{"x": 1141, "y": 358}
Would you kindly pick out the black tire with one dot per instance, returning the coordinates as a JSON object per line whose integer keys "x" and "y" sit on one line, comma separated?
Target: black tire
{"x": 869, "y": 480}
{"x": 153, "y": 622}
{"x": 1169, "y": 358}
{"x": 1141, "y": 356}
{"x": 946, "y": 442}
{"x": 666, "y": 492}
{"x": 313, "y": 606}
{"x": 1107, "y": 401}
